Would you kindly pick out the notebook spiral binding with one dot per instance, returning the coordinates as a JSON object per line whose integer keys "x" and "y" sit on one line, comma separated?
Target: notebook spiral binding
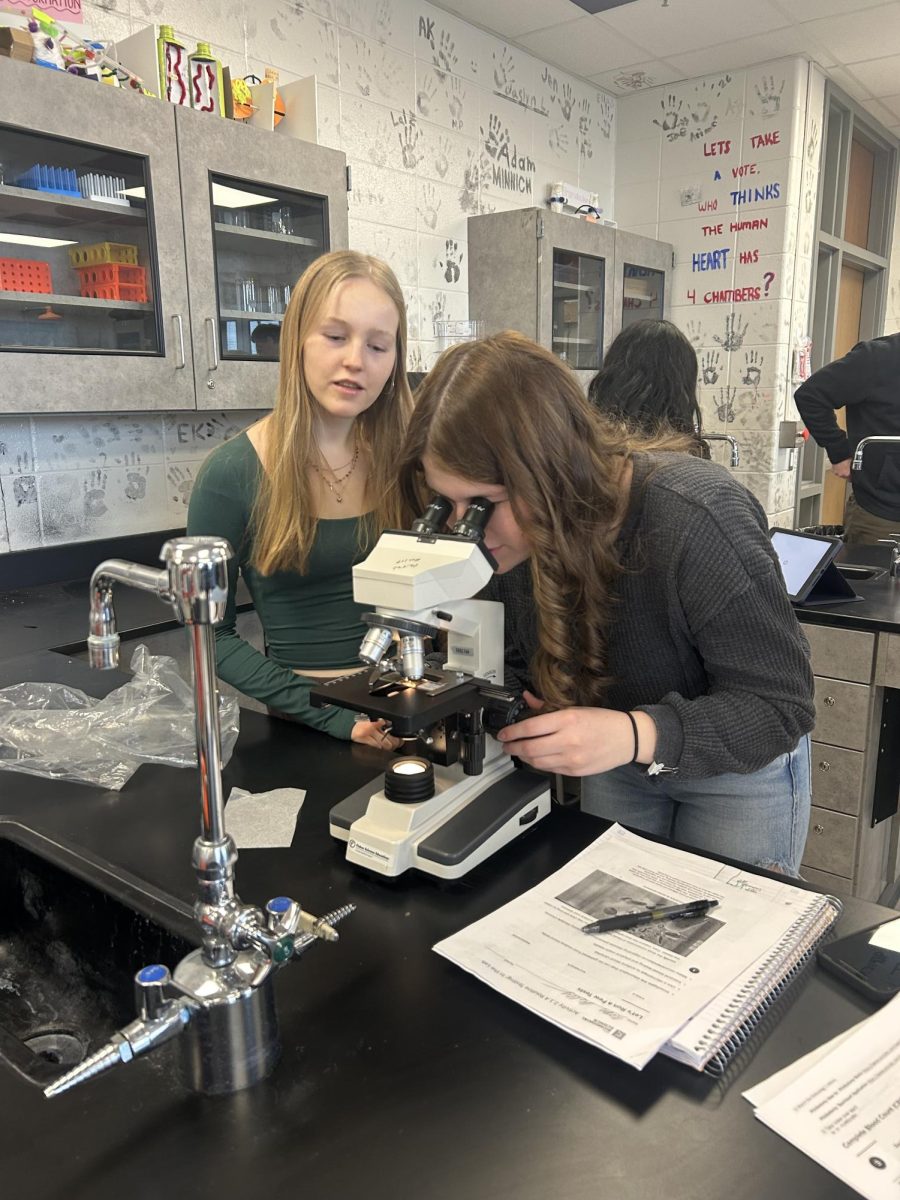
{"x": 724, "y": 1054}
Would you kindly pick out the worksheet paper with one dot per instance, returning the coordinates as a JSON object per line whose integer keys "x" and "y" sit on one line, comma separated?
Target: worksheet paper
{"x": 627, "y": 991}
{"x": 844, "y": 1110}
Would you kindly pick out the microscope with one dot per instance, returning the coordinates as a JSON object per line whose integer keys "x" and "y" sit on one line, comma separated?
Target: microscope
{"x": 451, "y": 798}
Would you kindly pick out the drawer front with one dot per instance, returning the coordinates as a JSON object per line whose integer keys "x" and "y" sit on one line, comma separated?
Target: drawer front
{"x": 892, "y": 660}
{"x": 841, "y": 653}
{"x": 837, "y": 778}
{"x": 831, "y": 842}
{"x": 824, "y": 881}
{"x": 842, "y": 710}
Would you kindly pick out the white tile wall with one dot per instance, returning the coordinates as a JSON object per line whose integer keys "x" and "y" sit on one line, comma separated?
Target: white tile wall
{"x": 738, "y": 157}
{"x": 441, "y": 120}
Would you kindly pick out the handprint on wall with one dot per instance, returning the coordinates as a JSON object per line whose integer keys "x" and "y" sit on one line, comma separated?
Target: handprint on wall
{"x": 753, "y": 365}
{"x": 725, "y": 404}
{"x": 674, "y": 121}
{"x": 711, "y": 367}
{"x": 735, "y": 332}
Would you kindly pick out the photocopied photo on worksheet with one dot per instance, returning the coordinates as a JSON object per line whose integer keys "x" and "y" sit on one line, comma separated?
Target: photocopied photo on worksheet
{"x": 629, "y": 991}
{"x": 843, "y": 1109}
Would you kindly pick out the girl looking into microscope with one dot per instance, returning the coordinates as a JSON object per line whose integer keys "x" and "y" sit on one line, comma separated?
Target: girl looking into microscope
{"x": 302, "y": 494}
{"x": 646, "y": 617}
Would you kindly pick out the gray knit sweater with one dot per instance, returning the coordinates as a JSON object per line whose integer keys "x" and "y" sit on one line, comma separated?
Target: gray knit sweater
{"x": 704, "y": 638}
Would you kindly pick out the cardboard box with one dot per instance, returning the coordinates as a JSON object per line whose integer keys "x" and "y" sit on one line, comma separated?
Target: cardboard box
{"x": 15, "y": 43}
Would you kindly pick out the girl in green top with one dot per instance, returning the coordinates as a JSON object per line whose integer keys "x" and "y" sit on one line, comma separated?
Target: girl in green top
{"x": 302, "y": 494}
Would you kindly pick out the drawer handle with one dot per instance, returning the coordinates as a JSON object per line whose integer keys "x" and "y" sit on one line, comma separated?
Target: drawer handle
{"x": 830, "y": 701}
{"x": 824, "y": 766}
{"x": 818, "y": 828}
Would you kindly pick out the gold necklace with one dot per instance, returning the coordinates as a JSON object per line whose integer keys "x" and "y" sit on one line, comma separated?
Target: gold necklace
{"x": 334, "y": 483}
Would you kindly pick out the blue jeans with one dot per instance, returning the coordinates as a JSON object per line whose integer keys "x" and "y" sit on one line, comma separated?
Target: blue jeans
{"x": 761, "y": 818}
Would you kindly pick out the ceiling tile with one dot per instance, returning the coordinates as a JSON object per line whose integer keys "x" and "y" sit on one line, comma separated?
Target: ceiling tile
{"x": 879, "y": 76}
{"x": 584, "y": 47}
{"x": 811, "y": 10}
{"x": 854, "y": 36}
{"x": 625, "y": 80}
{"x": 880, "y": 112}
{"x": 746, "y": 52}
{"x": 845, "y": 79}
{"x": 686, "y": 25}
{"x": 512, "y": 17}
{"x": 892, "y": 103}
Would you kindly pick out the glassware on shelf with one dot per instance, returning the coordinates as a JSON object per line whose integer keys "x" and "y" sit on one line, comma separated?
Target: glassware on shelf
{"x": 449, "y": 333}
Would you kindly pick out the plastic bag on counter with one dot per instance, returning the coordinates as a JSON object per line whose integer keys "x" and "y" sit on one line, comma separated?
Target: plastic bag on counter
{"x": 59, "y": 732}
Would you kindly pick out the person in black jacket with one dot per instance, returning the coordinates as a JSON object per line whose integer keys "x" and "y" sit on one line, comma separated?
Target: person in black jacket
{"x": 865, "y": 382}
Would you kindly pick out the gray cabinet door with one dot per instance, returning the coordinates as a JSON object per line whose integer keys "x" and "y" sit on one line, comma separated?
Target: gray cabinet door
{"x": 214, "y": 153}
{"x": 92, "y": 120}
{"x": 643, "y": 275}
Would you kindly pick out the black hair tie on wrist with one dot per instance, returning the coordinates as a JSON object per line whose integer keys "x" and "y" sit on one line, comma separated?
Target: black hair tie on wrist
{"x": 635, "y": 731}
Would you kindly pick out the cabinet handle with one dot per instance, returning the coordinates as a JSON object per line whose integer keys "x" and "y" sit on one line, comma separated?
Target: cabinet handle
{"x": 212, "y": 350}
{"x": 179, "y": 334}
{"x": 829, "y": 700}
{"x": 818, "y": 828}
{"x": 824, "y": 766}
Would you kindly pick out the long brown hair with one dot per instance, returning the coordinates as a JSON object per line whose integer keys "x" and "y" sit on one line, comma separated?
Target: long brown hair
{"x": 284, "y": 516}
{"x": 506, "y": 411}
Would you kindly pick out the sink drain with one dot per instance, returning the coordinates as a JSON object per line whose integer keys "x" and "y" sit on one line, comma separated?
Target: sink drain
{"x": 61, "y": 1049}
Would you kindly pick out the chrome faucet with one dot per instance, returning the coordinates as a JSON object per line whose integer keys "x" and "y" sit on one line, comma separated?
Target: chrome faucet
{"x": 857, "y": 463}
{"x": 893, "y": 540}
{"x": 726, "y": 437}
{"x": 220, "y": 997}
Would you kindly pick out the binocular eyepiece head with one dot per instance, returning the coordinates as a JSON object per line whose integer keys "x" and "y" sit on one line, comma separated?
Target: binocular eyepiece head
{"x": 470, "y": 526}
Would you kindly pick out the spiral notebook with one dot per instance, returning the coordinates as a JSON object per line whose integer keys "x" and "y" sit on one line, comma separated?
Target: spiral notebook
{"x": 694, "y": 990}
{"x": 717, "y": 1032}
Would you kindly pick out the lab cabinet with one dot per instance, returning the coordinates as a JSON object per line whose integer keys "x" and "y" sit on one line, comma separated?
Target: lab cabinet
{"x": 642, "y": 272}
{"x": 141, "y": 244}
{"x": 849, "y": 840}
{"x": 61, "y": 351}
{"x": 569, "y": 284}
{"x": 255, "y": 216}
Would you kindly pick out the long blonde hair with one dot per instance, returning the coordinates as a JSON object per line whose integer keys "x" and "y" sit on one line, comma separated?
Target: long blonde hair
{"x": 284, "y": 516}
{"x": 506, "y": 411}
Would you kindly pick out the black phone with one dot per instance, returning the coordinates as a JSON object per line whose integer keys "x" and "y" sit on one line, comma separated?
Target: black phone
{"x": 868, "y": 960}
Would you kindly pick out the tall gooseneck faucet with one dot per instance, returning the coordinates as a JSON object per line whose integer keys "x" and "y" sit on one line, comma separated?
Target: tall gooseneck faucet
{"x": 857, "y": 462}
{"x": 219, "y": 996}
{"x": 726, "y": 437}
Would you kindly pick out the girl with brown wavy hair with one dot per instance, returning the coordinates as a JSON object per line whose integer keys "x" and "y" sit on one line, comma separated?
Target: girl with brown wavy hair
{"x": 302, "y": 493}
{"x": 646, "y": 617}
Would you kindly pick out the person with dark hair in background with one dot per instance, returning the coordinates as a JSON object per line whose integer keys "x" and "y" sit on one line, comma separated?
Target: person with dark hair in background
{"x": 648, "y": 381}
{"x": 265, "y": 337}
{"x": 866, "y": 384}
{"x": 646, "y": 618}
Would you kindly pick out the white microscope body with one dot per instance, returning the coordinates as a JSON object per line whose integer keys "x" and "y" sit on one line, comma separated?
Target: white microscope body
{"x": 419, "y": 583}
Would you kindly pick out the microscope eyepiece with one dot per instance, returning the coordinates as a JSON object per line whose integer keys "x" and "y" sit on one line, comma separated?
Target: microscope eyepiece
{"x": 471, "y": 524}
{"x": 434, "y": 519}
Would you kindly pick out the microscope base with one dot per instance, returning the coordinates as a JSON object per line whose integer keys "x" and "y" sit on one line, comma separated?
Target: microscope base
{"x": 470, "y": 818}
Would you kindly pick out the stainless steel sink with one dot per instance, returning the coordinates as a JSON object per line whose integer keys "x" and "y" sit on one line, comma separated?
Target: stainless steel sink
{"x": 852, "y": 571}
{"x": 72, "y": 936}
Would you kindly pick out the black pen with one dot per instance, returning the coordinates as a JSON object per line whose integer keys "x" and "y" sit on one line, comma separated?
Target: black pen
{"x": 696, "y": 908}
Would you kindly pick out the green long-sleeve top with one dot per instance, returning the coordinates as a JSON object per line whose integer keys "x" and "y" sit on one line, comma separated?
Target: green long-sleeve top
{"x": 308, "y": 620}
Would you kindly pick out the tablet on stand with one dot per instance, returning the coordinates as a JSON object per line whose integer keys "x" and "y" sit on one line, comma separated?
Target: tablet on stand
{"x": 807, "y": 564}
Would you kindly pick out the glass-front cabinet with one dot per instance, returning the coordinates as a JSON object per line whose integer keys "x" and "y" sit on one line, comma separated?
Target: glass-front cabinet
{"x": 264, "y": 239}
{"x": 578, "y": 309}
{"x": 248, "y": 238}
{"x": 77, "y": 259}
{"x": 643, "y": 294}
{"x": 569, "y": 284}
{"x": 138, "y": 270}
{"x": 643, "y": 269}
{"x": 93, "y": 295}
